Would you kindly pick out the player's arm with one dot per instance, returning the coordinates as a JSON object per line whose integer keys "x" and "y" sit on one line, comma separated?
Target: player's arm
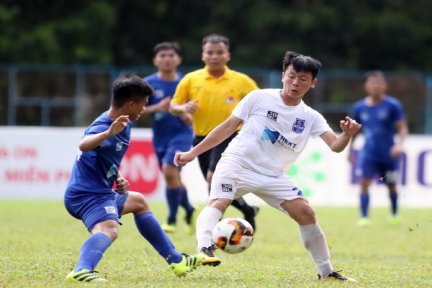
{"x": 179, "y": 109}
{"x": 337, "y": 143}
{"x": 215, "y": 137}
{"x": 180, "y": 103}
{"x": 90, "y": 142}
{"x": 163, "y": 105}
{"x": 402, "y": 132}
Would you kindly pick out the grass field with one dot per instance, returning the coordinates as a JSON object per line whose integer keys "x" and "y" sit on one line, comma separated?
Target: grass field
{"x": 40, "y": 244}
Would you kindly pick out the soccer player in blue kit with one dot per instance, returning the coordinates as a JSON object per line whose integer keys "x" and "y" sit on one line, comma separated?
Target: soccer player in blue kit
{"x": 90, "y": 196}
{"x": 382, "y": 117}
{"x": 170, "y": 133}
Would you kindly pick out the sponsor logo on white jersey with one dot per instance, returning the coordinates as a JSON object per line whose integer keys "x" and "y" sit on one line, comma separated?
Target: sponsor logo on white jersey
{"x": 227, "y": 188}
{"x": 272, "y": 115}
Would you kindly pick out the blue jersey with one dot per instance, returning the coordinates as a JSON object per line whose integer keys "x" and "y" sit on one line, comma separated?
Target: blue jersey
{"x": 165, "y": 126}
{"x": 95, "y": 171}
{"x": 378, "y": 126}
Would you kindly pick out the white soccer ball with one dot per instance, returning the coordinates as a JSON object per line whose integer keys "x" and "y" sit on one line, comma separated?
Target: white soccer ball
{"x": 233, "y": 235}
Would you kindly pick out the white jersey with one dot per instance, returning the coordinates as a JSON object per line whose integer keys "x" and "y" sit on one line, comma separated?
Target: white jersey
{"x": 273, "y": 134}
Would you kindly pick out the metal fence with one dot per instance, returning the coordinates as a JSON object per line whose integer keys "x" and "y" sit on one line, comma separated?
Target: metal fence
{"x": 75, "y": 95}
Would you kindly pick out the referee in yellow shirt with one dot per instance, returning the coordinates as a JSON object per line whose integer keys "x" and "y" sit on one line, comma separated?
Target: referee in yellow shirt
{"x": 210, "y": 94}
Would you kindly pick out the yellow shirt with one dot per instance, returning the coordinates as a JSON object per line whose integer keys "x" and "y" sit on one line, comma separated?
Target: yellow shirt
{"x": 216, "y": 97}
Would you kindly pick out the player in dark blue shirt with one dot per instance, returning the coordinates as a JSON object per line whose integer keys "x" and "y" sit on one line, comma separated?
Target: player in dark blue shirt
{"x": 382, "y": 117}
{"x": 90, "y": 196}
{"x": 170, "y": 133}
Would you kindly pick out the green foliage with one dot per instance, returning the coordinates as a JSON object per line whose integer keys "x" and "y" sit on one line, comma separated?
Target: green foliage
{"x": 389, "y": 34}
{"x": 40, "y": 244}
{"x": 46, "y": 32}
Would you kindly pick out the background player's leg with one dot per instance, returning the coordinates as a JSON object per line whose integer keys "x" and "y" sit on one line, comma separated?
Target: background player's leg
{"x": 203, "y": 159}
{"x": 178, "y": 194}
{"x": 190, "y": 210}
{"x": 393, "y": 195}
{"x": 369, "y": 169}
{"x": 393, "y": 199}
{"x": 173, "y": 192}
{"x": 248, "y": 211}
{"x": 184, "y": 200}
{"x": 391, "y": 176}
{"x": 364, "y": 201}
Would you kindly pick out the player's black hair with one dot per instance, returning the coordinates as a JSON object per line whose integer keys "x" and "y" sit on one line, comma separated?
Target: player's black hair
{"x": 216, "y": 38}
{"x": 374, "y": 73}
{"x": 301, "y": 63}
{"x": 129, "y": 87}
{"x": 166, "y": 46}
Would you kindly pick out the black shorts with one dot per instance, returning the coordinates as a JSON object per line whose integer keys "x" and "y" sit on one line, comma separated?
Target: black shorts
{"x": 209, "y": 159}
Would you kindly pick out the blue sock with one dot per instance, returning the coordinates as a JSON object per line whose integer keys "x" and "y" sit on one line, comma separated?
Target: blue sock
{"x": 364, "y": 204}
{"x": 92, "y": 251}
{"x": 153, "y": 233}
{"x": 184, "y": 201}
{"x": 393, "y": 201}
{"x": 172, "y": 196}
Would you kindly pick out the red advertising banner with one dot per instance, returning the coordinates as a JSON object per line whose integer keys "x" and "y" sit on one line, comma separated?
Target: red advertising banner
{"x": 140, "y": 167}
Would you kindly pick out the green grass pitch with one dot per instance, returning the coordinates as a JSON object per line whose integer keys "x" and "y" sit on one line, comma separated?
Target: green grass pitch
{"x": 40, "y": 244}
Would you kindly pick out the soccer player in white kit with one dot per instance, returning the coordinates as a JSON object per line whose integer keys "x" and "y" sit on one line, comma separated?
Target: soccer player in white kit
{"x": 276, "y": 127}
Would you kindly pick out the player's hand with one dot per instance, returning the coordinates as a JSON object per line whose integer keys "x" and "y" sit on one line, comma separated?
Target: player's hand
{"x": 186, "y": 118}
{"x": 191, "y": 106}
{"x": 118, "y": 125}
{"x": 182, "y": 158}
{"x": 121, "y": 185}
{"x": 164, "y": 104}
{"x": 350, "y": 126}
{"x": 396, "y": 151}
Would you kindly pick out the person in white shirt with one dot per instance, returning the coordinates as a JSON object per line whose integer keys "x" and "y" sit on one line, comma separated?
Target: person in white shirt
{"x": 276, "y": 127}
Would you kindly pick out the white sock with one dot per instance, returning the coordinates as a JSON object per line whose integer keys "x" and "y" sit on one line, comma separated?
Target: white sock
{"x": 315, "y": 242}
{"x": 206, "y": 221}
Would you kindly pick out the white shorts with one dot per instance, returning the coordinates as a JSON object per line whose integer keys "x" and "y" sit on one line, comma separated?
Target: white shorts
{"x": 231, "y": 181}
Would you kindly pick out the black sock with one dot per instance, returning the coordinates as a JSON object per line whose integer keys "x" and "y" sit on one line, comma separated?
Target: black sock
{"x": 248, "y": 211}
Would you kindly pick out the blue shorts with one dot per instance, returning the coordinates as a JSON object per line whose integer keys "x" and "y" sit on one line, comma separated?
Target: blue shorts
{"x": 384, "y": 169}
{"x": 95, "y": 208}
{"x": 166, "y": 153}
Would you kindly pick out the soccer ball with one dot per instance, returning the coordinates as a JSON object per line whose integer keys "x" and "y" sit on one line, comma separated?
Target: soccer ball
{"x": 233, "y": 235}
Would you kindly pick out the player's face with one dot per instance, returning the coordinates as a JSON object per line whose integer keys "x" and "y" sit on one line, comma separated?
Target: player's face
{"x": 167, "y": 60}
{"x": 215, "y": 55}
{"x": 136, "y": 108}
{"x": 296, "y": 84}
{"x": 375, "y": 86}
